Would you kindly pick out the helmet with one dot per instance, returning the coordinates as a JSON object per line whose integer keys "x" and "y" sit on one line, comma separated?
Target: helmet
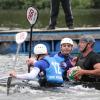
{"x": 67, "y": 40}
{"x": 87, "y": 38}
{"x": 40, "y": 49}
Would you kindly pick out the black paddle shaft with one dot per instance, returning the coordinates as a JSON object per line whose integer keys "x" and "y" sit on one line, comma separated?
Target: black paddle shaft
{"x": 8, "y": 84}
{"x": 30, "y": 47}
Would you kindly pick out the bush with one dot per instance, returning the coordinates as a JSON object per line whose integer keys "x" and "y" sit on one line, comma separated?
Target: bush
{"x": 82, "y": 3}
{"x": 42, "y": 4}
{"x": 9, "y": 4}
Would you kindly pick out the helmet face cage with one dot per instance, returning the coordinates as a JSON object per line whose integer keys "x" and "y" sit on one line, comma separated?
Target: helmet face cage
{"x": 40, "y": 49}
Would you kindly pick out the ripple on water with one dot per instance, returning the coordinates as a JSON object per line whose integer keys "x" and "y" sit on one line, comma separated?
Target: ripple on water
{"x": 63, "y": 93}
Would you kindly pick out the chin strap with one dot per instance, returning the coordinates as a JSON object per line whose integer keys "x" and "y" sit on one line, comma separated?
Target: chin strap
{"x": 85, "y": 47}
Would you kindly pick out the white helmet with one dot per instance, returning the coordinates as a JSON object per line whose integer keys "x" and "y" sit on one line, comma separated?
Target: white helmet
{"x": 67, "y": 40}
{"x": 40, "y": 49}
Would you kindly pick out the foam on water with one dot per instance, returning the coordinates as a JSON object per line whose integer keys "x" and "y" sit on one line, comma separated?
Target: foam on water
{"x": 67, "y": 92}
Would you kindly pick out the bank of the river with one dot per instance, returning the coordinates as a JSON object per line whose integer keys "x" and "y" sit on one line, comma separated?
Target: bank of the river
{"x": 82, "y": 17}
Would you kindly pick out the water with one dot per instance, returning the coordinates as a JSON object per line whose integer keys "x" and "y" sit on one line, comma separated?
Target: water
{"x": 67, "y": 92}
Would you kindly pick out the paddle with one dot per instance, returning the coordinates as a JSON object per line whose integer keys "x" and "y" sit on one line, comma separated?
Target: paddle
{"x": 20, "y": 38}
{"x": 32, "y": 16}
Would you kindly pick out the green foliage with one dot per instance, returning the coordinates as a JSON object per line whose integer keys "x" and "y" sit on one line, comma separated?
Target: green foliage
{"x": 42, "y": 4}
{"x": 82, "y": 3}
{"x": 28, "y": 3}
{"x": 11, "y": 4}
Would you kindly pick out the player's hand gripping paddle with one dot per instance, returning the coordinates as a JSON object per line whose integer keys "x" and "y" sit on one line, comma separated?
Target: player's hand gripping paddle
{"x": 20, "y": 38}
{"x": 32, "y": 16}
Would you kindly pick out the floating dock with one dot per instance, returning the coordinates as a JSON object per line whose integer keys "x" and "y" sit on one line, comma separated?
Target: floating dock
{"x": 51, "y": 38}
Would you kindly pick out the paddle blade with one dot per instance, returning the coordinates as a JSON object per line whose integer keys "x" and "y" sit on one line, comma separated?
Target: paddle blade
{"x": 32, "y": 15}
{"x": 20, "y": 37}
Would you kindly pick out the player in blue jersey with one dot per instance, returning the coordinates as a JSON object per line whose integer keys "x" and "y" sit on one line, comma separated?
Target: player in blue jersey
{"x": 63, "y": 57}
{"x": 46, "y": 68}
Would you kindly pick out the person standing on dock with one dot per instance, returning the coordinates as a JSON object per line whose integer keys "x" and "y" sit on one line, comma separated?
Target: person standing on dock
{"x": 66, "y": 5}
{"x": 88, "y": 60}
{"x": 46, "y": 68}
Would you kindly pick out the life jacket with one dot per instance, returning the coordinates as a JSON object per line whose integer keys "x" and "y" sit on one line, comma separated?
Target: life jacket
{"x": 64, "y": 61}
{"x": 59, "y": 60}
{"x": 64, "y": 64}
{"x": 53, "y": 72}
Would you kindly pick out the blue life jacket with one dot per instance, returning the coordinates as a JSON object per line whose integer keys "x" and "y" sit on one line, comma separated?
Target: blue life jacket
{"x": 59, "y": 60}
{"x": 64, "y": 62}
{"x": 54, "y": 72}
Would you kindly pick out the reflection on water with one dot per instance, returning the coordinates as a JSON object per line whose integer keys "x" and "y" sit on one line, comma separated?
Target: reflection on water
{"x": 67, "y": 92}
